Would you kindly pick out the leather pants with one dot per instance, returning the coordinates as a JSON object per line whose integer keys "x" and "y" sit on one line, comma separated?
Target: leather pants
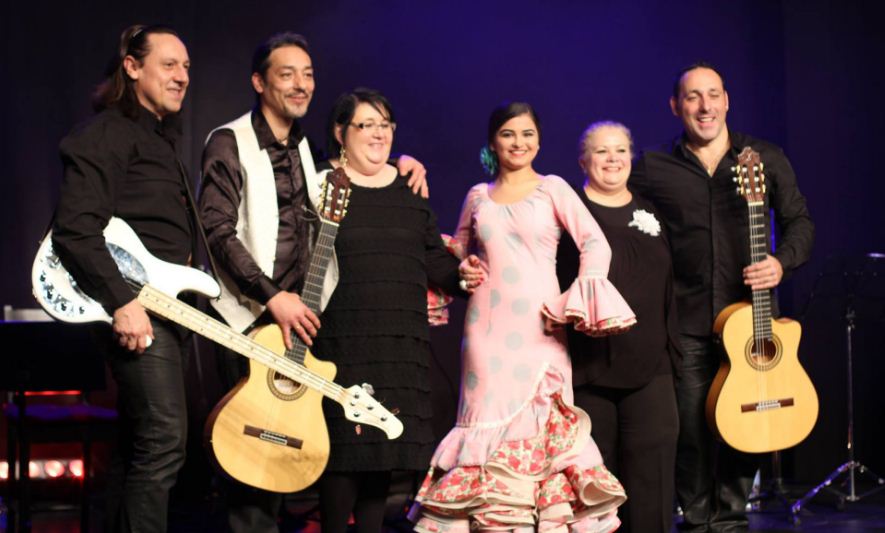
{"x": 153, "y": 431}
{"x": 713, "y": 480}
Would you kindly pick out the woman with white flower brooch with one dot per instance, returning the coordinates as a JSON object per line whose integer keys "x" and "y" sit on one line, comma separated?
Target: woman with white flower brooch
{"x": 625, "y": 382}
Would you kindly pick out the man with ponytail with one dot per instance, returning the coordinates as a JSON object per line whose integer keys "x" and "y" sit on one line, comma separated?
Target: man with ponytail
{"x": 123, "y": 162}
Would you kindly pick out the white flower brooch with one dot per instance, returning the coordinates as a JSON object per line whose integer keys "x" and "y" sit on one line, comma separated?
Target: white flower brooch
{"x": 645, "y": 222}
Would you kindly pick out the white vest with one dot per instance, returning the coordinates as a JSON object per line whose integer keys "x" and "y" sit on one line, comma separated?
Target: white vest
{"x": 258, "y": 221}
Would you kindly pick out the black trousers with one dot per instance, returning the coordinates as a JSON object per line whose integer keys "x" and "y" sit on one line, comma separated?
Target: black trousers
{"x": 363, "y": 494}
{"x": 713, "y": 480}
{"x": 636, "y": 431}
{"x": 153, "y": 430}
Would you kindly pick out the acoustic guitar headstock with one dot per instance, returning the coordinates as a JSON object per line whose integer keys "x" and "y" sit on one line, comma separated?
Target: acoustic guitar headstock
{"x": 749, "y": 176}
{"x": 336, "y": 196}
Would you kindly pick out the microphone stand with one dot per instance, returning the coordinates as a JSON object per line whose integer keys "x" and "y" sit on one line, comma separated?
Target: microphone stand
{"x": 851, "y": 467}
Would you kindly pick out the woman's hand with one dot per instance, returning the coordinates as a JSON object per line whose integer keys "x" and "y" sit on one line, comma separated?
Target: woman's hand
{"x": 472, "y": 273}
{"x": 551, "y": 326}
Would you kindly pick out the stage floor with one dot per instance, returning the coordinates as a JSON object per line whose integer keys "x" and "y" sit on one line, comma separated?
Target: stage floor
{"x": 821, "y": 515}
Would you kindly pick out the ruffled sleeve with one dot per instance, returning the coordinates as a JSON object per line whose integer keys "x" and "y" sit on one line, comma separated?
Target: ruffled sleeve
{"x": 592, "y": 303}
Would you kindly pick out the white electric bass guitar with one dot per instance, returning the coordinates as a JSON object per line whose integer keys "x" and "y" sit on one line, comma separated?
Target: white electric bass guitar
{"x": 158, "y": 283}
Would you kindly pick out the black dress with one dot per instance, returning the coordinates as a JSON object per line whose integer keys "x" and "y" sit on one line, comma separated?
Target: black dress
{"x": 375, "y": 326}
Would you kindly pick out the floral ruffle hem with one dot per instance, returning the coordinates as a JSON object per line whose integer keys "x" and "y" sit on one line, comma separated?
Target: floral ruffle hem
{"x": 552, "y": 482}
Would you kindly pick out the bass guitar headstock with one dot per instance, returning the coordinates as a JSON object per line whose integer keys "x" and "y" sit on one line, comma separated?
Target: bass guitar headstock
{"x": 336, "y": 196}
{"x": 749, "y": 176}
{"x": 361, "y": 408}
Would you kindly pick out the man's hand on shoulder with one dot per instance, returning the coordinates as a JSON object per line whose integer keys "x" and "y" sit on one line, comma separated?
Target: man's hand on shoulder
{"x": 133, "y": 327}
{"x": 765, "y": 274}
{"x": 290, "y": 313}
{"x": 418, "y": 179}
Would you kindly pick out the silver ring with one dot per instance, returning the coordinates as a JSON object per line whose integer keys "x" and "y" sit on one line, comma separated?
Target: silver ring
{"x": 463, "y": 284}
{"x": 148, "y": 341}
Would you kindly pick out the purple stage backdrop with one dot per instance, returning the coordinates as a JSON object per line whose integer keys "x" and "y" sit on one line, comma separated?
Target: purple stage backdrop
{"x": 806, "y": 75}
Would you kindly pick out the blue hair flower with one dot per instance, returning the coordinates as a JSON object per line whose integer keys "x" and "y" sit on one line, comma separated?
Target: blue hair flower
{"x": 489, "y": 160}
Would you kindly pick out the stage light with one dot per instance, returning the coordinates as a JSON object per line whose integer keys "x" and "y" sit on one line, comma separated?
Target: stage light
{"x": 35, "y": 470}
{"x": 75, "y": 467}
{"x": 54, "y": 468}
{"x": 48, "y": 469}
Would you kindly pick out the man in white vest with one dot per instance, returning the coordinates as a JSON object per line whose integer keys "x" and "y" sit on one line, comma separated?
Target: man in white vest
{"x": 257, "y": 202}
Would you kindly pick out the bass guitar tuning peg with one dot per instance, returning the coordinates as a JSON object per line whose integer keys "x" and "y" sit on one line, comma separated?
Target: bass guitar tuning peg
{"x": 368, "y": 388}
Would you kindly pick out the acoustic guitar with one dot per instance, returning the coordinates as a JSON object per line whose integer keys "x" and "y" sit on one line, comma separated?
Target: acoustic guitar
{"x": 761, "y": 399}
{"x": 273, "y": 402}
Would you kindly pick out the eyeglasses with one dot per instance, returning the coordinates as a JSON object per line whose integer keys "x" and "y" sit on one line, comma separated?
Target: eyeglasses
{"x": 372, "y": 126}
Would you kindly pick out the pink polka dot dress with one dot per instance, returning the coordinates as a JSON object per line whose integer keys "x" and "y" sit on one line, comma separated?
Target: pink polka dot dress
{"x": 520, "y": 456}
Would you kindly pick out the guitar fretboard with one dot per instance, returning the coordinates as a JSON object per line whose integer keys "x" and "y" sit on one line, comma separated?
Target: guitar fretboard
{"x": 758, "y": 252}
{"x": 313, "y": 281}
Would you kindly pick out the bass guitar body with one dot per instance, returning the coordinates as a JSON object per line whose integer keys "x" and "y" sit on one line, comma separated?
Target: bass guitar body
{"x": 269, "y": 431}
{"x": 761, "y": 399}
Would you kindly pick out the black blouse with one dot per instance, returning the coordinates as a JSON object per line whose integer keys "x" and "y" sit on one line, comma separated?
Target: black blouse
{"x": 641, "y": 270}
{"x": 129, "y": 168}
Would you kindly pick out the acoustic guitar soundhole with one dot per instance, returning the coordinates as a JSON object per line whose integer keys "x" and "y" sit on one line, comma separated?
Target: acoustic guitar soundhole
{"x": 284, "y": 387}
{"x": 763, "y": 354}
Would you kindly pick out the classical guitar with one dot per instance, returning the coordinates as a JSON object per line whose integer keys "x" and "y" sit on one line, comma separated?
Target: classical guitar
{"x": 761, "y": 400}
{"x": 157, "y": 283}
{"x": 273, "y": 402}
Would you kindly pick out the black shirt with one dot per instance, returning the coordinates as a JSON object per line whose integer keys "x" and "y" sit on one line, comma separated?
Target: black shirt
{"x": 707, "y": 223}
{"x": 124, "y": 167}
{"x": 219, "y": 203}
{"x": 641, "y": 271}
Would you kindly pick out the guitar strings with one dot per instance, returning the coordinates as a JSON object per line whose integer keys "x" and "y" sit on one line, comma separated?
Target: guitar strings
{"x": 313, "y": 281}
{"x": 760, "y": 299}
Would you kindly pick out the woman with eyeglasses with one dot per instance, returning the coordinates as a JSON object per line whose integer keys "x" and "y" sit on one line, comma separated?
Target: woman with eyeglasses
{"x": 520, "y": 457}
{"x": 375, "y": 326}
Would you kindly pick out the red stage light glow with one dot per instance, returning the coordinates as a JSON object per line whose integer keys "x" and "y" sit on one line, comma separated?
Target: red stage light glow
{"x": 75, "y": 467}
{"x": 54, "y": 468}
{"x": 34, "y": 470}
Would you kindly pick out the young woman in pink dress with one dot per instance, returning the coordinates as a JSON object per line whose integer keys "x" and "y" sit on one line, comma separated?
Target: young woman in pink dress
{"x": 520, "y": 457}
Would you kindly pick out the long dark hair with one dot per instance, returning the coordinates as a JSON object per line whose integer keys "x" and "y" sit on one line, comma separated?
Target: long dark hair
{"x": 116, "y": 89}
{"x": 344, "y": 109}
